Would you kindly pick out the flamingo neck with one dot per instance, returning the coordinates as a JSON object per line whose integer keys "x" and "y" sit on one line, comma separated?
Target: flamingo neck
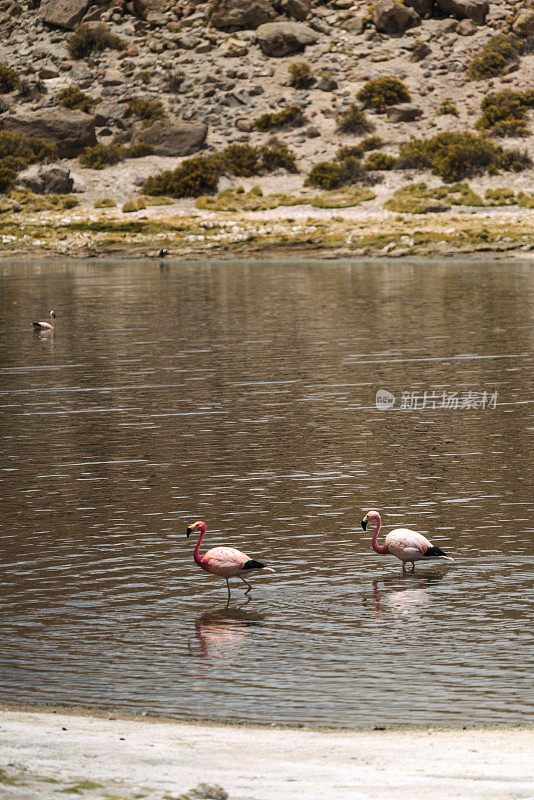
{"x": 52, "y": 320}
{"x": 379, "y": 548}
{"x": 196, "y": 554}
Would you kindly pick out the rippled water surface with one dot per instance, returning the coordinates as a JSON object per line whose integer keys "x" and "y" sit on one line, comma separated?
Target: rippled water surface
{"x": 243, "y": 394}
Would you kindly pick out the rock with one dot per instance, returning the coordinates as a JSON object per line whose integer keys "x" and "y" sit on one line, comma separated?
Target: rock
{"x": 112, "y": 77}
{"x": 466, "y": 27}
{"x": 146, "y": 7}
{"x": 354, "y": 24}
{"x": 312, "y": 132}
{"x": 298, "y": 9}
{"x": 234, "y": 52}
{"x": 404, "y": 112}
{"x": 420, "y": 51}
{"x": 326, "y": 83}
{"x": 244, "y": 124}
{"x": 524, "y": 23}
{"x": 393, "y": 18}
{"x": 423, "y": 7}
{"x": 235, "y": 15}
{"x": 171, "y": 138}
{"x": 48, "y": 71}
{"x": 280, "y": 39}
{"x": 63, "y": 13}
{"x": 111, "y": 112}
{"x": 70, "y": 130}
{"x": 47, "y": 179}
{"x": 465, "y": 9}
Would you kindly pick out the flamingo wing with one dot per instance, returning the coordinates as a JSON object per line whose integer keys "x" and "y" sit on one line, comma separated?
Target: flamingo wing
{"x": 42, "y": 325}
{"x": 406, "y": 544}
{"x": 224, "y": 561}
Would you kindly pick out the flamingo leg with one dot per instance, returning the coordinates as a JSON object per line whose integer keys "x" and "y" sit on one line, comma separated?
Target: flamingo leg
{"x": 228, "y": 587}
{"x": 248, "y": 584}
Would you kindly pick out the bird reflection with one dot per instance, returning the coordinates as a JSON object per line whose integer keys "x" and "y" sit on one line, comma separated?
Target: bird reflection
{"x": 404, "y": 593}
{"x": 221, "y": 631}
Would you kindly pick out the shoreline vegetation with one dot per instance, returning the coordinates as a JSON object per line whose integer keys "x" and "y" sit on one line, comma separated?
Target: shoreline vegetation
{"x": 111, "y": 754}
{"x": 319, "y": 230}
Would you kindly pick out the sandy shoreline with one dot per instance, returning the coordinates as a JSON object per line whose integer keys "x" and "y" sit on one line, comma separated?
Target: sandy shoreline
{"x": 105, "y": 754}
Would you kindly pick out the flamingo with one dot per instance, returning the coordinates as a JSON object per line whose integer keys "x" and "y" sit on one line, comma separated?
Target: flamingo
{"x": 403, "y": 543}
{"x": 46, "y": 326}
{"x": 224, "y": 561}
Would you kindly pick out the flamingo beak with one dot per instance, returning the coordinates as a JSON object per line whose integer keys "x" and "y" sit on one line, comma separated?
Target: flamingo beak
{"x": 189, "y": 531}
{"x": 364, "y": 523}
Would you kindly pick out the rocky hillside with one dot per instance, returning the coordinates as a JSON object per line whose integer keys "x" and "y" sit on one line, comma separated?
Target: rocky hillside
{"x": 181, "y": 78}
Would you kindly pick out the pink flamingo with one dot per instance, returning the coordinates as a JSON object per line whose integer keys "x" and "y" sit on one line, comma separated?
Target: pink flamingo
{"x": 403, "y": 543}
{"x": 224, "y": 561}
{"x": 46, "y": 326}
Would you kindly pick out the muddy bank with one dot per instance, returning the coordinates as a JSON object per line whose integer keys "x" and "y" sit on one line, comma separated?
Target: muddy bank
{"x": 43, "y": 752}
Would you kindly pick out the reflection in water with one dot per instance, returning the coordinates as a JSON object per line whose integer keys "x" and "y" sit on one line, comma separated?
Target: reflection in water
{"x": 243, "y": 394}
{"x": 404, "y": 593}
{"x": 222, "y": 631}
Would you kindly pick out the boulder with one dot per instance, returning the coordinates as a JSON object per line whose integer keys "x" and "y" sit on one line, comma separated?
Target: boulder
{"x": 280, "y": 39}
{"x": 112, "y": 112}
{"x": 423, "y": 7}
{"x": 70, "y": 130}
{"x": 465, "y": 9}
{"x": 393, "y": 18}
{"x": 524, "y": 23}
{"x": 46, "y": 179}
{"x": 298, "y": 9}
{"x": 236, "y": 15}
{"x": 353, "y": 24}
{"x": 404, "y": 112}
{"x": 171, "y": 138}
{"x": 420, "y": 51}
{"x": 63, "y": 13}
{"x": 466, "y": 27}
{"x": 326, "y": 83}
{"x": 147, "y": 7}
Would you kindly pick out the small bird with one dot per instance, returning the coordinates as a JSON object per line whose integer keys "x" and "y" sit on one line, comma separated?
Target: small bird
{"x": 403, "y": 543}
{"x": 224, "y": 561}
{"x": 46, "y": 326}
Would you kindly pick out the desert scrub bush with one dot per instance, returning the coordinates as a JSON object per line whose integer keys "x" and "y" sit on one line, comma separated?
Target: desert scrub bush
{"x": 105, "y": 155}
{"x": 9, "y": 78}
{"x": 192, "y": 178}
{"x": 380, "y": 161}
{"x": 447, "y": 107}
{"x": 133, "y": 205}
{"x": 289, "y": 117}
{"x": 504, "y": 113}
{"x": 300, "y": 75}
{"x": 139, "y": 150}
{"x": 277, "y": 155}
{"x": 89, "y": 38}
{"x": 174, "y": 80}
{"x": 240, "y": 159}
{"x": 331, "y": 175}
{"x": 494, "y": 57}
{"x": 358, "y": 150}
{"x": 382, "y": 92}
{"x": 102, "y": 155}
{"x": 43, "y": 202}
{"x": 525, "y": 200}
{"x": 354, "y": 120}
{"x": 73, "y": 97}
{"x": 105, "y": 202}
{"x": 418, "y": 198}
{"x": 147, "y": 110}
{"x": 502, "y": 196}
{"x": 457, "y": 155}
{"x": 17, "y": 152}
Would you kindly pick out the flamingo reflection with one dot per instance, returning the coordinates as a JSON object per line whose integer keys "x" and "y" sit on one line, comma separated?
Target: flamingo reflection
{"x": 404, "y": 593}
{"x": 221, "y": 631}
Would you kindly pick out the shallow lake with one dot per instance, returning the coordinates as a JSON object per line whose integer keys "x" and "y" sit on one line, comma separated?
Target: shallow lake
{"x": 244, "y": 394}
